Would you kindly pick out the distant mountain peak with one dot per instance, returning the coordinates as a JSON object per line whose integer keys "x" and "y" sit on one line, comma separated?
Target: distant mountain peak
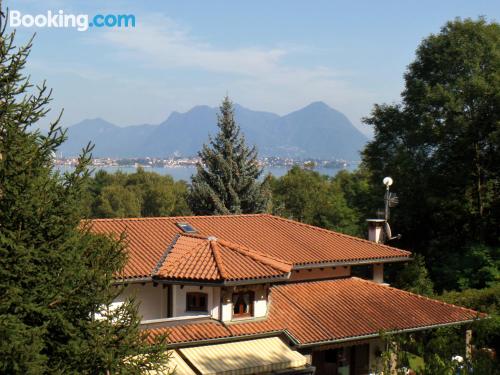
{"x": 95, "y": 119}
{"x": 318, "y": 104}
{"x": 200, "y": 108}
{"x": 315, "y": 131}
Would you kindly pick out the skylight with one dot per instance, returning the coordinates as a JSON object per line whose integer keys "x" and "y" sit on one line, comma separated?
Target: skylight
{"x": 186, "y": 227}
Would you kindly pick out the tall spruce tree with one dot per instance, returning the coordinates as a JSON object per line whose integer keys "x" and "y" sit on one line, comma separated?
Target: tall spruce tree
{"x": 227, "y": 178}
{"x": 56, "y": 278}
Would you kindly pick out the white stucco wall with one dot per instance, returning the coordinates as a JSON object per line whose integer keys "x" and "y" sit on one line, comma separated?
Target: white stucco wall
{"x": 215, "y": 311}
{"x": 179, "y": 300}
{"x": 152, "y": 300}
{"x": 260, "y": 303}
{"x": 227, "y": 308}
{"x": 259, "y": 306}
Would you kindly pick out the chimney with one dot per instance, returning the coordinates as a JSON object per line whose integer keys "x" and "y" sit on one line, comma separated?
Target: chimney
{"x": 375, "y": 230}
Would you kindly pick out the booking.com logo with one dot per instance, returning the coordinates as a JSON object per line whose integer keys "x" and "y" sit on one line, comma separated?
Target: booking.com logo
{"x": 82, "y": 22}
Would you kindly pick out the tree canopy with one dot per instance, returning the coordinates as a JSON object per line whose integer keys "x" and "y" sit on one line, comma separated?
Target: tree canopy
{"x": 56, "y": 278}
{"x": 139, "y": 194}
{"x": 309, "y": 197}
{"x": 441, "y": 145}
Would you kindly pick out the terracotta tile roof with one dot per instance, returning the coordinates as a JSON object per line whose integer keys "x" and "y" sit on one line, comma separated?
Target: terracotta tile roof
{"x": 312, "y": 312}
{"x": 195, "y": 332}
{"x": 210, "y": 259}
{"x": 297, "y": 243}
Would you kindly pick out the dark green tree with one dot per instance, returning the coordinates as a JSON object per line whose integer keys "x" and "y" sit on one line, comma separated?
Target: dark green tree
{"x": 309, "y": 197}
{"x": 56, "y": 278}
{"x": 134, "y": 195}
{"x": 117, "y": 201}
{"x": 360, "y": 195}
{"x": 414, "y": 277}
{"x": 226, "y": 181}
{"x": 442, "y": 147}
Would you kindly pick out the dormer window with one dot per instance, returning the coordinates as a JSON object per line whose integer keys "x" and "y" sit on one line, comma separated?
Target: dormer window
{"x": 243, "y": 304}
{"x": 196, "y": 302}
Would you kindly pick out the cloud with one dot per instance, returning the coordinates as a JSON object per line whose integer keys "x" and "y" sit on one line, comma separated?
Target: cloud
{"x": 161, "y": 42}
{"x": 258, "y": 77}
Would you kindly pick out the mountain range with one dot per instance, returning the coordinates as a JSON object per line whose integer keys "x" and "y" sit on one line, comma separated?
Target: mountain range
{"x": 315, "y": 131}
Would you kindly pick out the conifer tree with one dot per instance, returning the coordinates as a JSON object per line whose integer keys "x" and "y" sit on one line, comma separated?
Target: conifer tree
{"x": 55, "y": 276}
{"x": 227, "y": 177}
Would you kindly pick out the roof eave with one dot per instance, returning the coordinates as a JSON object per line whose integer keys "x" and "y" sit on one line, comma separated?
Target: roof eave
{"x": 375, "y": 335}
{"x": 296, "y": 343}
{"x": 351, "y": 262}
{"x": 258, "y": 280}
{"x": 263, "y": 280}
{"x": 132, "y": 280}
{"x": 215, "y": 340}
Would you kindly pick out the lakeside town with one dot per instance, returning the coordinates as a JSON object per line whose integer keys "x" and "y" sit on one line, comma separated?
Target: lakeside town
{"x": 151, "y": 162}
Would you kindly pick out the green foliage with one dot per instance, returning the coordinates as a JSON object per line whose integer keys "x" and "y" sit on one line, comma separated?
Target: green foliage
{"x": 487, "y": 300}
{"x": 55, "y": 276}
{"x": 226, "y": 181}
{"x": 480, "y": 267}
{"x": 117, "y": 201}
{"x": 440, "y": 346}
{"x": 441, "y": 146}
{"x": 360, "y": 195}
{"x": 135, "y": 195}
{"x": 413, "y": 277}
{"x": 431, "y": 353}
{"x": 397, "y": 354}
{"x": 309, "y": 197}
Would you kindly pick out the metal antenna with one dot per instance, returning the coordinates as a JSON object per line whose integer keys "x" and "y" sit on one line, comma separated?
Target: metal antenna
{"x": 390, "y": 200}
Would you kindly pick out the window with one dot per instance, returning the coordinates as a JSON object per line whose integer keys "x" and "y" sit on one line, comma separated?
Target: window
{"x": 186, "y": 227}
{"x": 196, "y": 302}
{"x": 243, "y": 304}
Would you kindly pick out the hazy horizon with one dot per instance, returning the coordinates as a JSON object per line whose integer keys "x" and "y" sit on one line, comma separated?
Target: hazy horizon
{"x": 266, "y": 56}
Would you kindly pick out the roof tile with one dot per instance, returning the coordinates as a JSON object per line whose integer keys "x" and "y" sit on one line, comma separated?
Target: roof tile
{"x": 208, "y": 259}
{"x": 272, "y": 236}
{"x": 312, "y": 312}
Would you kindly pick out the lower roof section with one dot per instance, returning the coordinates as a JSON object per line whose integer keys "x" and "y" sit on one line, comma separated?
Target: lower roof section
{"x": 257, "y": 356}
{"x": 329, "y": 311}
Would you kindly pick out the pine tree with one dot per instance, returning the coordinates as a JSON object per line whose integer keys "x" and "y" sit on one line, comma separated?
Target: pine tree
{"x": 227, "y": 177}
{"x": 56, "y": 277}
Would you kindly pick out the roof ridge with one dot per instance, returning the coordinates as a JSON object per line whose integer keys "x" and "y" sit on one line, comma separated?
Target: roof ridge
{"x": 254, "y": 254}
{"x": 244, "y": 250}
{"x": 187, "y": 254}
{"x": 334, "y": 232}
{"x": 164, "y": 256}
{"x": 214, "y": 246}
{"x": 171, "y": 217}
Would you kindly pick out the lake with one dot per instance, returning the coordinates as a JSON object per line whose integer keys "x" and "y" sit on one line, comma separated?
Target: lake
{"x": 185, "y": 173}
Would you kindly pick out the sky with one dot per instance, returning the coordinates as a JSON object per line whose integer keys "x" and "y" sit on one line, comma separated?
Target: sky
{"x": 271, "y": 55}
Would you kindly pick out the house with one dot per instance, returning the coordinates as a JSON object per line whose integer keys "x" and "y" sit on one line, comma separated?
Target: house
{"x": 251, "y": 294}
